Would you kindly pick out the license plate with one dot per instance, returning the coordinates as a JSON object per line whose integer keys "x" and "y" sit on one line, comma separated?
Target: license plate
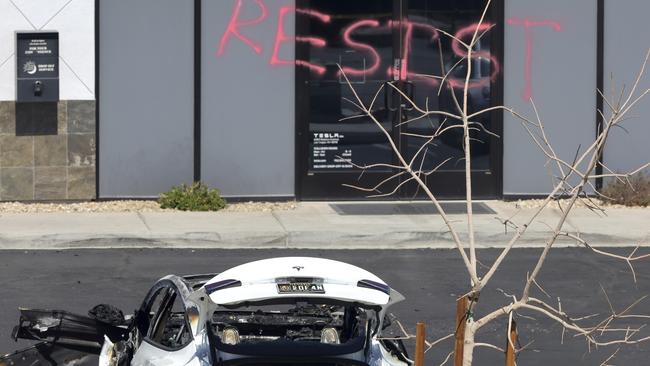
{"x": 301, "y": 288}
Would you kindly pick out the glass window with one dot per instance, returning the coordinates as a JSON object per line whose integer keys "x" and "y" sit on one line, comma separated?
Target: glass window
{"x": 358, "y": 39}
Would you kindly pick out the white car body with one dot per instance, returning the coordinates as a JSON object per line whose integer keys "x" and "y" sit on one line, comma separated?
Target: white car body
{"x": 259, "y": 281}
{"x": 279, "y": 311}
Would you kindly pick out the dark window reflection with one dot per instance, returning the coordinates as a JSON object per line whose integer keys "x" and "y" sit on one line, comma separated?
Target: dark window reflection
{"x": 334, "y": 144}
{"x": 368, "y": 39}
{"x": 426, "y": 59}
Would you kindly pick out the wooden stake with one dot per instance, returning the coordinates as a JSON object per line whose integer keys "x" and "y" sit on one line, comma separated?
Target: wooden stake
{"x": 510, "y": 349}
{"x": 420, "y": 337}
{"x": 461, "y": 321}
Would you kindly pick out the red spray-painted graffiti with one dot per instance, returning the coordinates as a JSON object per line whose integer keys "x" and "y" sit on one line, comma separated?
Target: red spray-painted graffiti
{"x": 235, "y": 24}
{"x": 466, "y": 34}
{"x": 528, "y": 24}
{"x": 403, "y": 72}
{"x": 347, "y": 39}
{"x": 281, "y": 37}
{"x": 408, "y": 27}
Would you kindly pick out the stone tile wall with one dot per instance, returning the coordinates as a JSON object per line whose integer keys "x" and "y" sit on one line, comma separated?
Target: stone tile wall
{"x": 49, "y": 167}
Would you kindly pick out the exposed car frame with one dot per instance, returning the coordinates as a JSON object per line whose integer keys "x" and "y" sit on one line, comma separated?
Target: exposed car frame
{"x": 279, "y": 311}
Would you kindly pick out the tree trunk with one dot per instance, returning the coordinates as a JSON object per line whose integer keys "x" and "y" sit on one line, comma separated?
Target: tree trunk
{"x": 468, "y": 348}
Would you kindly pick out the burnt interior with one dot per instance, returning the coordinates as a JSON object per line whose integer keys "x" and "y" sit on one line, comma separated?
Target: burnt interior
{"x": 298, "y": 322}
{"x": 175, "y": 333}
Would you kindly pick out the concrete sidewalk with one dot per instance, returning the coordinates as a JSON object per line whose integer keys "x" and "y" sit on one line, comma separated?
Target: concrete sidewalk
{"x": 311, "y": 225}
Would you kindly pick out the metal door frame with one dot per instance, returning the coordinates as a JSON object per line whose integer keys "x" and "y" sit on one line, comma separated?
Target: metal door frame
{"x": 448, "y": 187}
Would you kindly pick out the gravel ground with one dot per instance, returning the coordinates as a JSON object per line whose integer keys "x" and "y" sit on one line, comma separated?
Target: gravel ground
{"x": 131, "y": 206}
{"x": 152, "y": 206}
{"x": 261, "y": 206}
{"x": 535, "y": 203}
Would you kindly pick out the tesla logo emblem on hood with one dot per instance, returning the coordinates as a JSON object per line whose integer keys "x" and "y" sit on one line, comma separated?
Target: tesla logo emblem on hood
{"x": 298, "y": 268}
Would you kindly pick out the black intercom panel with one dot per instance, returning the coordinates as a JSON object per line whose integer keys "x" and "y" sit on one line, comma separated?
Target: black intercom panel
{"x": 37, "y": 66}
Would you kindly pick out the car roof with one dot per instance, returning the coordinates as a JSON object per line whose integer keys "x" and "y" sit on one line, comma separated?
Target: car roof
{"x": 257, "y": 281}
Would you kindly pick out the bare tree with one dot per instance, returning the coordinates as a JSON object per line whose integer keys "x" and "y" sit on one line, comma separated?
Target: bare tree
{"x": 573, "y": 183}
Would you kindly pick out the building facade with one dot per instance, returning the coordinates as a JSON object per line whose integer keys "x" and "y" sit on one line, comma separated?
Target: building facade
{"x": 124, "y": 99}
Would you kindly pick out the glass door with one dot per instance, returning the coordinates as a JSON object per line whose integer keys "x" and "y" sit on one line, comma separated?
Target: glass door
{"x": 335, "y": 143}
{"x": 376, "y": 42}
{"x": 427, "y": 55}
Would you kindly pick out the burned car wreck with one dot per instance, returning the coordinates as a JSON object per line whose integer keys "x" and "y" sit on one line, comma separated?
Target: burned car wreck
{"x": 280, "y": 311}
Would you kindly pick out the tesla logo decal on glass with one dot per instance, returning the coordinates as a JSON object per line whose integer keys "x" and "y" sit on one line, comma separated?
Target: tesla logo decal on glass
{"x": 298, "y": 268}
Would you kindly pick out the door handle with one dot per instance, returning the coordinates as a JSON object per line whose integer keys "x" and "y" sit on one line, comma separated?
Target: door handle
{"x": 409, "y": 90}
{"x": 389, "y": 97}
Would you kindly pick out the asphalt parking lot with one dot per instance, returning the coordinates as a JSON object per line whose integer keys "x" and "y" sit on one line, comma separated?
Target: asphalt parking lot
{"x": 431, "y": 280}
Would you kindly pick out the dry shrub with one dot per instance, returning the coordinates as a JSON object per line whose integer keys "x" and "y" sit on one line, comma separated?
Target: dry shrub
{"x": 634, "y": 193}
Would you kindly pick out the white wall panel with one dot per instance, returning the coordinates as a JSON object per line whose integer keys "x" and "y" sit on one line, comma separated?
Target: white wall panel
{"x": 556, "y": 61}
{"x": 626, "y": 43}
{"x": 146, "y": 101}
{"x": 248, "y": 127}
{"x": 74, "y": 20}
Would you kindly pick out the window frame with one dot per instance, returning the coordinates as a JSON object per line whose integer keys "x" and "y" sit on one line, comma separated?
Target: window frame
{"x": 170, "y": 296}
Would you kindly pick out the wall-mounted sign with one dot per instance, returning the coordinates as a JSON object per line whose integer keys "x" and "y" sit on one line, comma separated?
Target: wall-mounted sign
{"x": 37, "y": 67}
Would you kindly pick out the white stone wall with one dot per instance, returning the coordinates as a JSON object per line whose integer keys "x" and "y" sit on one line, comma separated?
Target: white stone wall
{"x": 75, "y": 22}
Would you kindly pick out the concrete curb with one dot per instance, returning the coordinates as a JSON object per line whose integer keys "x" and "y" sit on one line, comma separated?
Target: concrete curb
{"x": 292, "y": 240}
{"x": 310, "y": 226}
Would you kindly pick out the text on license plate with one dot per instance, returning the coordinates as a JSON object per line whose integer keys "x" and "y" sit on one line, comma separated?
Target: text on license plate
{"x": 301, "y": 288}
